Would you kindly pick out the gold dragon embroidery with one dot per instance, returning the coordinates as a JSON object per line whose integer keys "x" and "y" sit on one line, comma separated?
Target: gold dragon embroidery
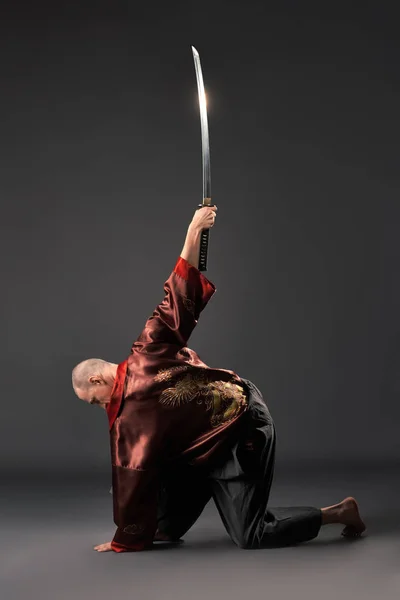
{"x": 222, "y": 398}
{"x": 167, "y": 374}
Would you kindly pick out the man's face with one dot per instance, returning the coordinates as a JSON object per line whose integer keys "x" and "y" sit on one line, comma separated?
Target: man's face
{"x": 99, "y": 394}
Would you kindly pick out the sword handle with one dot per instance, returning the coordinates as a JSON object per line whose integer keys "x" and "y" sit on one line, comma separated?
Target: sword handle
{"x": 204, "y": 238}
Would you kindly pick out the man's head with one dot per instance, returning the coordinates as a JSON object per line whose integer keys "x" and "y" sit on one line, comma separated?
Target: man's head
{"x": 93, "y": 380}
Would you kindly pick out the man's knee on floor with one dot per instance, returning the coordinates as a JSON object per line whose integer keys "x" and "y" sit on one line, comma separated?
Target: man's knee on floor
{"x": 245, "y": 541}
{"x": 251, "y": 540}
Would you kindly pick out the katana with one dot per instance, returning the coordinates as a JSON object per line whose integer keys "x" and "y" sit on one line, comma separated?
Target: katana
{"x": 205, "y": 149}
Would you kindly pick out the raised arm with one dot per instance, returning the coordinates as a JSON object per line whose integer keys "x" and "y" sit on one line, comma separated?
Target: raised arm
{"x": 187, "y": 291}
{"x": 202, "y": 219}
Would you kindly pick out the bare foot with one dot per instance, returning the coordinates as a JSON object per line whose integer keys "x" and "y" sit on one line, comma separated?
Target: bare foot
{"x": 350, "y": 516}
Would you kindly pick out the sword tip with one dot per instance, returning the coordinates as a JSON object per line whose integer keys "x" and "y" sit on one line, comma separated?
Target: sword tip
{"x": 195, "y": 51}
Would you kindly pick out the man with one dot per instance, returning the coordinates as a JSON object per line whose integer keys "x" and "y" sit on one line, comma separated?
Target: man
{"x": 182, "y": 432}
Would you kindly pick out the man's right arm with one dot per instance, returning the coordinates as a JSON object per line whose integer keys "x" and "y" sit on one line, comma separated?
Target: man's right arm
{"x": 191, "y": 249}
{"x": 187, "y": 291}
{"x": 202, "y": 219}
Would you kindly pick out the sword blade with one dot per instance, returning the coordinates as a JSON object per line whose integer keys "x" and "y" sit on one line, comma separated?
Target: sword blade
{"x": 205, "y": 142}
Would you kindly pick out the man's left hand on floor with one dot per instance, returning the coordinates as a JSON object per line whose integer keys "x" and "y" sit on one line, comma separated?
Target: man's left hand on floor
{"x": 103, "y": 547}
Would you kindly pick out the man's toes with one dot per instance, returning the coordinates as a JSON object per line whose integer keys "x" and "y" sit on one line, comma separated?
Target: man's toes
{"x": 351, "y": 531}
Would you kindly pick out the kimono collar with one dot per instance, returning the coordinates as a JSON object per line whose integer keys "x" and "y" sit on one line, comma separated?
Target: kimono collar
{"x": 117, "y": 391}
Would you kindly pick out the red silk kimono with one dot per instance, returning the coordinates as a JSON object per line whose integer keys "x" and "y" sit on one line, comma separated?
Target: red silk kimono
{"x": 166, "y": 404}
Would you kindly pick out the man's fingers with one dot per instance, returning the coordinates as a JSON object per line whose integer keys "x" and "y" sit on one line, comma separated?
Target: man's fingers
{"x": 103, "y": 547}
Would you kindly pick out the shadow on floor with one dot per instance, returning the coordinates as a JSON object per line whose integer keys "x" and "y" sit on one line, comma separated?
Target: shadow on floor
{"x": 383, "y": 522}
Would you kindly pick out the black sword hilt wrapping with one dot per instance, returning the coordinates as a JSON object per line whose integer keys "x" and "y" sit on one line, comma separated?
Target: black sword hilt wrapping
{"x": 204, "y": 239}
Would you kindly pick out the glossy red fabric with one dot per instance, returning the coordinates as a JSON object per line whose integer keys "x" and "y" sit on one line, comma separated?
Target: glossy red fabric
{"x": 116, "y": 394}
{"x": 166, "y": 406}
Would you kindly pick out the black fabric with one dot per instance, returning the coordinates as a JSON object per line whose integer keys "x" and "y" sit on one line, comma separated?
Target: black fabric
{"x": 240, "y": 486}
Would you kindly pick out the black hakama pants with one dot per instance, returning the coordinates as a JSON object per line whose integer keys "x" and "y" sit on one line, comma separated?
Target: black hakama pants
{"x": 240, "y": 486}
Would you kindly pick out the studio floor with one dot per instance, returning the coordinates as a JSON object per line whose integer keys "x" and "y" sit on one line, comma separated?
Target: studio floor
{"x": 49, "y": 528}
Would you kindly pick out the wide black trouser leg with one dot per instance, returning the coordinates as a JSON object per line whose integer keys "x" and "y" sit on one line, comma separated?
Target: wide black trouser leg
{"x": 241, "y": 487}
{"x": 183, "y": 496}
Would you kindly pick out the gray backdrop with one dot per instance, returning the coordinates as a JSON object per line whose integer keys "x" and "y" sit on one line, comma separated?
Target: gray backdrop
{"x": 101, "y": 174}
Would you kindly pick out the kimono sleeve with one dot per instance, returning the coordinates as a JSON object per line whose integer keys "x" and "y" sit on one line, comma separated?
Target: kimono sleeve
{"x": 135, "y": 497}
{"x": 187, "y": 292}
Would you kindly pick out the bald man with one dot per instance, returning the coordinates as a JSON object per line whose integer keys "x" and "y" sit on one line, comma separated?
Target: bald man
{"x": 182, "y": 432}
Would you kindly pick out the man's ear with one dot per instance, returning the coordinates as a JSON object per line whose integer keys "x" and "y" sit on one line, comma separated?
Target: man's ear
{"x": 95, "y": 379}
